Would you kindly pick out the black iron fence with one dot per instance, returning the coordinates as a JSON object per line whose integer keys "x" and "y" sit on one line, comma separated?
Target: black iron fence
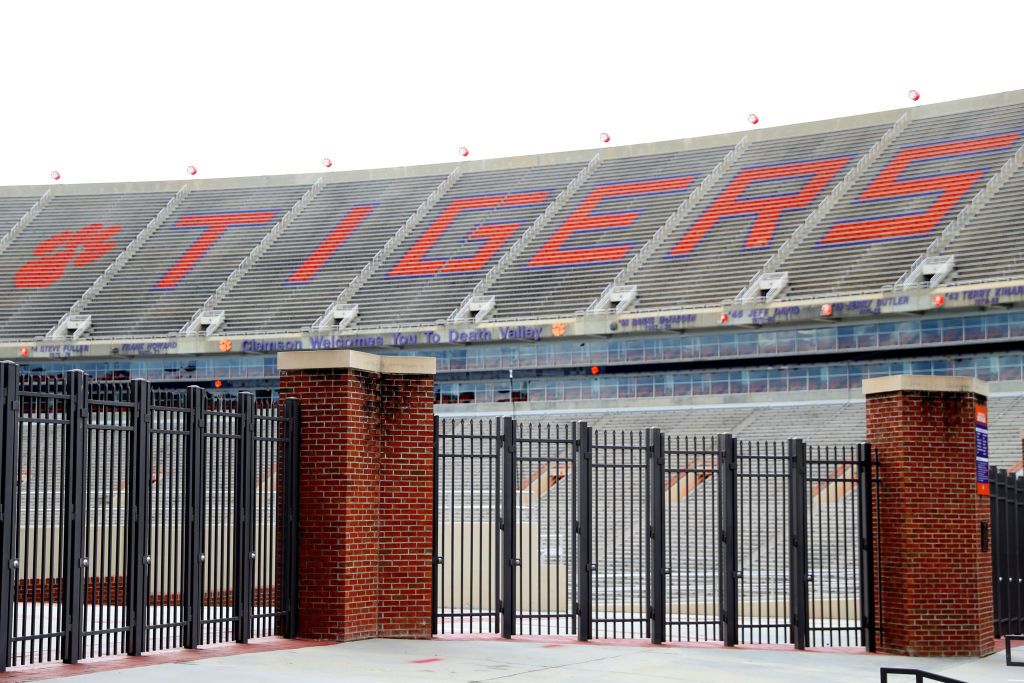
{"x": 136, "y": 519}
{"x": 563, "y": 529}
{"x": 1006, "y": 495}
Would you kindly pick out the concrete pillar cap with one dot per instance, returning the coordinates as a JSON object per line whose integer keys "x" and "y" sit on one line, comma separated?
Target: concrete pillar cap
{"x": 341, "y": 359}
{"x": 959, "y": 385}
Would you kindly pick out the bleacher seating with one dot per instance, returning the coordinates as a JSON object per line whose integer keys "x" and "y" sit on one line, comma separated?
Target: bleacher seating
{"x": 712, "y": 256}
{"x": 957, "y": 154}
{"x": 996, "y": 230}
{"x": 641, "y": 193}
{"x": 878, "y": 227}
{"x": 12, "y": 209}
{"x": 426, "y": 280}
{"x": 320, "y": 252}
{"x": 185, "y": 260}
{"x": 62, "y": 251}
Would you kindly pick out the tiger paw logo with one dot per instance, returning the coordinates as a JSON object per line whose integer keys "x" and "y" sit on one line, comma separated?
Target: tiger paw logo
{"x": 225, "y": 345}
{"x": 67, "y": 248}
{"x": 558, "y": 329}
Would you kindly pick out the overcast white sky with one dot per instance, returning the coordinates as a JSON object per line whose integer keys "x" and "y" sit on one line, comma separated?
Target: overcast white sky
{"x": 139, "y": 90}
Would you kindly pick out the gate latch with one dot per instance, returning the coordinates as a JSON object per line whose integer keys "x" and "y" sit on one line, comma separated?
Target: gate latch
{"x": 516, "y": 562}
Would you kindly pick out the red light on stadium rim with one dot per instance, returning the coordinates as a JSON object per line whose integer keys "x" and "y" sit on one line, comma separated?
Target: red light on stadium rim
{"x": 938, "y": 300}
{"x": 327, "y": 162}
{"x": 594, "y": 370}
{"x": 23, "y": 350}
{"x": 217, "y": 384}
{"x": 914, "y": 95}
{"x": 463, "y": 152}
{"x": 605, "y": 137}
{"x": 192, "y": 170}
{"x": 724, "y": 318}
{"x": 55, "y": 175}
{"x": 826, "y": 310}
{"x": 753, "y": 118}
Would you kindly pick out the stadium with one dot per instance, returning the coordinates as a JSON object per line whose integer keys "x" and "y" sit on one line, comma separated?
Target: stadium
{"x": 636, "y": 392}
{"x": 746, "y": 282}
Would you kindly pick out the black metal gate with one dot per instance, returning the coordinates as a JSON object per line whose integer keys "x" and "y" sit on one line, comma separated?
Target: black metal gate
{"x": 136, "y": 519}
{"x": 563, "y": 529}
{"x": 1007, "y": 500}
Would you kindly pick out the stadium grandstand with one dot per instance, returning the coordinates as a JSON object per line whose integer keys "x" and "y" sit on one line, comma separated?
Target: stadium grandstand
{"x": 745, "y": 282}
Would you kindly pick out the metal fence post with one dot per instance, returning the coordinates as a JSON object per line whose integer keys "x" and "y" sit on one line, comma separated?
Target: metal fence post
{"x": 193, "y": 553}
{"x": 799, "y": 574}
{"x": 139, "y": 511}
{"x": 656, "y": 518}
{"x": 290, "y": 561}
{"x": 866, "y": 484}
{"x": 1018, "y": 529}
{"x": 75, "y": 512}
{"x": 729, "y": 555}
{"x": 245, "y": 521}
{"x": 509, "y": 561}
{"x": 434, "y": 558}
{"x": 8, "y": 503}
{"x": 584, "y": 516}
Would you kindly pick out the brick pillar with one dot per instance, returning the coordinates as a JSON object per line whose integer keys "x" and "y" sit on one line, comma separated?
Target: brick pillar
{"x": 935, "y": 592}
{"x": 365, "y": 492}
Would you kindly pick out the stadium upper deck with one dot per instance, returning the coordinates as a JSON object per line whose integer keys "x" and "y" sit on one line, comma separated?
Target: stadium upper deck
{"x": 872, "y": 214}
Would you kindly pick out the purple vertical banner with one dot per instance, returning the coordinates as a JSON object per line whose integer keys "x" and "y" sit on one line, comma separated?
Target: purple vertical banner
{"x": 981, "y": 448}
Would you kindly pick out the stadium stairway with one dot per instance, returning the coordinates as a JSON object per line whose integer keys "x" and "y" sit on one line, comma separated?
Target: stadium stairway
{"x": 67, "y": 246}
{"x": 20, "y": 211}
{"x": 433, "y": 271}
{"x": 885, "y": 224}
{"x": 688, "y": 270}
{"x": 186, "y": 258}
{"x": 607, "y": 300}
{"x": 323, "y": 249}
{"x": 63, "y": 327}
{"x": 754, "y": 290}
{"x": 329, "y": 319}
{"x": 994, "y": 229}
{"x": 617, "y": 210}
{"x": 465, "y": 310}
{"x": 208, "y": 310}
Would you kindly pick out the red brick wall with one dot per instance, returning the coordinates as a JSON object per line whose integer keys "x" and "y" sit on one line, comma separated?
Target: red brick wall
{"x": 366, "y": 496}
{"x": 407, "y": 501}
{"x": 935, "y": 591}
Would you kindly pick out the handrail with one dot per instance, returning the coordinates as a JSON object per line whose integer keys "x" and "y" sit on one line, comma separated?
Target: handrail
{"x": 89, "y": 294}
{"x": 977, "y": 203}
{"x": 672, "y": 221}
{"x": 826, "y": 204}
{"x": 538, "y": 224}
{"x": 919, "y": 675}
{"x": 250, "y": 259}
{"x": 29, "y": 216}
{"x": 363, "y": 275}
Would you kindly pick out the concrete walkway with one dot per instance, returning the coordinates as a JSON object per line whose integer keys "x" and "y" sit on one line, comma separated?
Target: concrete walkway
{"x": 548, "y": 660}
